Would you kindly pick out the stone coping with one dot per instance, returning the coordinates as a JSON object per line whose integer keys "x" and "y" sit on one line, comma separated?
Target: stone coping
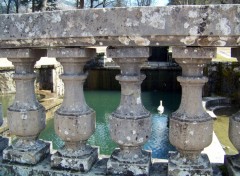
{"x": 211, "y": 104}
{"x": 212, "y": 25}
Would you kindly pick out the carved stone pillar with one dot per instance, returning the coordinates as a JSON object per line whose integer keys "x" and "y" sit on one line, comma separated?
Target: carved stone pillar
{"x": 26, "y": 116}
{"x": 191, "y": 127}
{"x": 74, "y": 121}
{"x": 233, "y": 162}
{"x": 3, "y": 141}
{"x": 130, "y": 124}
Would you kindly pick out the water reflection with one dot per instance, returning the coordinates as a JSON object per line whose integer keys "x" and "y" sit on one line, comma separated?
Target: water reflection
{"x": 104, "y": 103}
{"x": 159, "y": 142}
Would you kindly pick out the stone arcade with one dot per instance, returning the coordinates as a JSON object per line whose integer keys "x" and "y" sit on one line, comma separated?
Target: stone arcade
{"x": 194, "y": 32}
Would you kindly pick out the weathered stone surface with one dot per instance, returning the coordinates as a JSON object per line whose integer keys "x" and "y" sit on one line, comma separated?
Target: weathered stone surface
{"x": 180, "y": 166}
{"x": 32, "y": 156}
{"x": 43, "y": 168}
{"x": 205, "y": 53}
{"x": 139, "y": 167}
{"x": 81, "y": 163}
{"x": 190, "y": 120}
{"x": 3, "y": 141}
{"x": 233, "y": 162}
{"x": 74, "y": 121}
{"x": 7, "y": 84}
{"x": 72, "y": 53}
{"x": 130, "y": 124}
{"x": 26, "y": 116}
{"x": 23, "y": 53}
{"x": 213, "y": 25}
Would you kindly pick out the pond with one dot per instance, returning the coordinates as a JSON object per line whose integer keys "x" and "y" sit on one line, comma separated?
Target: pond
{"x": 104, "y": 103}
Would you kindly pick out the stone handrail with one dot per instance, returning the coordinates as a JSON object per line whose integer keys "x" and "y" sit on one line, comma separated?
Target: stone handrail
{"x": 194, "y": 32}
{"x": 213, "y": 25}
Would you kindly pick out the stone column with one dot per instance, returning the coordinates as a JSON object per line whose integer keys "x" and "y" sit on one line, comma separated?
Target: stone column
{"x": 191, "y": 127}
{"x": 130, "y": 124}
{"x": 3, "y": 141}
{"x": 233, "y": 162}
{"x": 26, "y": 116}
{"x": 74, "y": 121}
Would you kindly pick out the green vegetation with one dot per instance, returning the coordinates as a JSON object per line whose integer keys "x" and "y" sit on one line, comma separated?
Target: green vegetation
{"x": 221, "y": 130}
{"x": 221, "y": 125}
{"x": 221, "y": 58}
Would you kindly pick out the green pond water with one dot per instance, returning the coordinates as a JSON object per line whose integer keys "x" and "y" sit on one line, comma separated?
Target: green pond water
{"x": 105, "y": 102}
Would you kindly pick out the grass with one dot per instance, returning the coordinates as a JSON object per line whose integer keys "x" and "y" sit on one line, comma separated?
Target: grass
{"x": 221, "y": 129}
{"x": 221, "y": 58}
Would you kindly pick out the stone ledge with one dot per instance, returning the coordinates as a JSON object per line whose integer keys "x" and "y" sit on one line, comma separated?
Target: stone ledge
{"x": 158, "y": 168}
{"x": 213, "y": 25}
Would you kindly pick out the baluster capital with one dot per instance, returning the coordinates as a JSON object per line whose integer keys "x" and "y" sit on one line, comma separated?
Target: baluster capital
{"x": 193, "y": 59}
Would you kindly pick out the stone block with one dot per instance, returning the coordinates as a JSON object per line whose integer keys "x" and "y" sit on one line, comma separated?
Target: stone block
{"x": 23, "y": 53}
{"x": 138, "y": 26}
{"x": 194, "y": 52}
{"x": 72, "y": 53}
{"x": 233, "y": 165}
{"x": 83, "y": 163}
{"x": 31, "y": 156}
{"x": 131, "y": 167}
{"x": 181, "y": 167}
{"x": 3, "y": 143}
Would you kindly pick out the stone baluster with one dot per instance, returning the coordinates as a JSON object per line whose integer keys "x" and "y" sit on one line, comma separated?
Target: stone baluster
{"x": 191, "y": 127}
{"x": 26, "y": 116}
{"x": 3, "y": 141}
{"x": 130, "y": 124}
{"x": 233, "y": 162}
{"x": 74, "y": 121}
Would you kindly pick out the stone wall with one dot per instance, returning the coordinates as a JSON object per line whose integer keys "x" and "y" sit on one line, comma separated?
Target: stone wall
{"x": 7, "y": 84}
{"x": 223, "y": 79}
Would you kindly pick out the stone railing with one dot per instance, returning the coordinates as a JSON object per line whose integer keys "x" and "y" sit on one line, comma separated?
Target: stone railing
{"x": 194, "y": 32}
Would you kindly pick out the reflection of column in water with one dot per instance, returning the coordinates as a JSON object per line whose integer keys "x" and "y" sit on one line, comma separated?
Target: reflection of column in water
{"x": 158, "y": 142}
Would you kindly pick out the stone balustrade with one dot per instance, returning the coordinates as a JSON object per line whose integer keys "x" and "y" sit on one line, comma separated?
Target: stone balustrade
{"x": 190, "y": 120}
{"x": 194, "y": 32}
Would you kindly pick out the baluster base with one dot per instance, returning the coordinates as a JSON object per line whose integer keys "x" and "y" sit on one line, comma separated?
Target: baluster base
{"x": 233, "y": 165}
{"x": 82, "y": 163}
{"x": 3, "y": 143}
{"x": 178, "y": 166}
{"x": 129, "y": 167}
{"x": 30, "y": 156}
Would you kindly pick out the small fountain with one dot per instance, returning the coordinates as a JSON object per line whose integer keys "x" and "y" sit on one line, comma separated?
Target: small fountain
{"x": 160, "y": 108}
